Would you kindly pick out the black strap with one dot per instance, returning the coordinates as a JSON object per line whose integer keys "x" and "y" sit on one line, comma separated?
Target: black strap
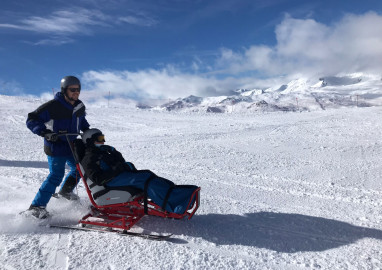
{"x": 167, "y": 196}
{"x": 92, "y": 185}
{"x": 145, "y": 196}
{"x": 132, "y": 190}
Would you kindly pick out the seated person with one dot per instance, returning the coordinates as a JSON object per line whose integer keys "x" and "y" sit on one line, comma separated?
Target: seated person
{"x": 105, "y": 166}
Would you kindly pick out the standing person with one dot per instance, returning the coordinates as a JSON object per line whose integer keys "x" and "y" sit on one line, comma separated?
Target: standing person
{"x": 64, "y": 114}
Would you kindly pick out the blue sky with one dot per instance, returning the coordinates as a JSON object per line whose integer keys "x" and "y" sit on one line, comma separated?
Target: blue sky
{"x": 173, "y": 48}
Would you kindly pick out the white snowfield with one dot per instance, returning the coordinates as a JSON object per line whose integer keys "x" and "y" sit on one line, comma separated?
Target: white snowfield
{"x": 280, "y": 190}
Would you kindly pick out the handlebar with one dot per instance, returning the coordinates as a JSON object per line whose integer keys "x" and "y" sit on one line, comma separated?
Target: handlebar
{"x": 68, "y": 134}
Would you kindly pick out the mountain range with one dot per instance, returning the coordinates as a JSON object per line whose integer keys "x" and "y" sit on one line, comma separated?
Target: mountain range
{"x": 351, "y": 90}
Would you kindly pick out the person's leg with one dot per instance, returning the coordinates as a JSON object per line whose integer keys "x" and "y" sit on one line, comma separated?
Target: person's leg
{"x": 136, "y": 179}
{"x": 157, "y": 189}
{"x": 180, "y": 198}
{"x": 48, "y": 187}
{"x": 72, "y": 179}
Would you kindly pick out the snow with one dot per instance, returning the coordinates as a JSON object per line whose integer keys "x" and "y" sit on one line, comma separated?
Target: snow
{"x": 301, "y": 94}
{"x": 280, "y": 190}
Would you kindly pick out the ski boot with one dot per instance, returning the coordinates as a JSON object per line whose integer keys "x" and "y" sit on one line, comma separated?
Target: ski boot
{"x": 38, "y": 212}
{"x": 66, "y": 190}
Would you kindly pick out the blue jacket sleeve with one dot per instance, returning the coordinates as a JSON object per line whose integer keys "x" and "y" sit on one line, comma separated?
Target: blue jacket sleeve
{"x": 36, "y": 120}
{"x": 84, "y": 125}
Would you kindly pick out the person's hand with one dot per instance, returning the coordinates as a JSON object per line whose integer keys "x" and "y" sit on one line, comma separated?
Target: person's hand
{"x": 49, "y": 135}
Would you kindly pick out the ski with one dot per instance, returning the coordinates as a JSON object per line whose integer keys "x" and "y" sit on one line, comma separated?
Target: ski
{"x": 159, "y": 237}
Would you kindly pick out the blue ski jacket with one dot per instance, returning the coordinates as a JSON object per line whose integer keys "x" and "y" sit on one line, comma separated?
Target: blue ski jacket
{"x": 59, "y": 116}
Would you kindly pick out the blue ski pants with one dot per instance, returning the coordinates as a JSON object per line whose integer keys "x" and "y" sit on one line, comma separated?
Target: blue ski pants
{"x": 54, "y": 179}
{"x": 157, "y": 189}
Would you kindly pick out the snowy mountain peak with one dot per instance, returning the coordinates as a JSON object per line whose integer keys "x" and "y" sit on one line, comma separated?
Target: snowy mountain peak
{"x": 299, "y": 94}
{"x": 181, "y": 103}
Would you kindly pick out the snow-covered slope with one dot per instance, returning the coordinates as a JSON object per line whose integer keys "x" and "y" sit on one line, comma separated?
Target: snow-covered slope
{"x": 354, "y": 90}
{"x": 279, "y": 191}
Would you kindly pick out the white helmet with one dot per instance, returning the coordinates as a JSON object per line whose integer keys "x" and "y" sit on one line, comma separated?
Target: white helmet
{"x": 91, "y": 135}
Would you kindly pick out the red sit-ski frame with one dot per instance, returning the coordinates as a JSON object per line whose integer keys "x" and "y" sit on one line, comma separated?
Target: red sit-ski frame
{"x": 126, "y": 215}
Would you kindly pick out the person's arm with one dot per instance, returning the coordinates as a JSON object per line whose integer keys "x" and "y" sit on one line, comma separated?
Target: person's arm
{"x": 118, "y": 160}
{"x": 93, "y": 170}
{"x": 84, "y": 125}
{"x": 118, "y": 156}
{"x": 113, "y": 157}
{"x": 36, "y": 120}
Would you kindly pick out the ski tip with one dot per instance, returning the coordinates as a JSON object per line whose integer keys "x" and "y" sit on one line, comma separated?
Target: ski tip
{"x": 148, "y": 236}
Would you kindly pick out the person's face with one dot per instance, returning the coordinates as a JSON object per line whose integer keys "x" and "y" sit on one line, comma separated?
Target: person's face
{"x": 100, "y": 139}
{"x": 73, "y": 92}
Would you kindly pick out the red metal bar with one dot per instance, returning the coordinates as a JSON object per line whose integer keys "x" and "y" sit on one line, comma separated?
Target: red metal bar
{"x": 125, "y": 215}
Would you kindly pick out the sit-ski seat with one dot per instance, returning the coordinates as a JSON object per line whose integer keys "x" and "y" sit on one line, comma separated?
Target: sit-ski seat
{"x": 103, "y": 195}
{"x": 122, "y": 207}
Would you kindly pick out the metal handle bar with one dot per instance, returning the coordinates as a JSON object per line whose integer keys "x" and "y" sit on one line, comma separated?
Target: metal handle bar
{"x": 68, "y": 134}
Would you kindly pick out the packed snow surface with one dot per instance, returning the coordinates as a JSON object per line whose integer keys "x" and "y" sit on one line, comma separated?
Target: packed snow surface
{"x": 280, "y": 190}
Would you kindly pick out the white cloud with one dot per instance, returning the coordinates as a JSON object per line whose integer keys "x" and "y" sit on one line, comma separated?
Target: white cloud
{"x": 306, "y": 46}
{"x": 56, "y": 41}
{"x": 61, "y": 22}
{"x": 150, "y": 83}
{"x": 10, "y": 88}
{"x": 12, "y": 26}
{"x": 163, "y": 84}
{"x": 140, "y": 20}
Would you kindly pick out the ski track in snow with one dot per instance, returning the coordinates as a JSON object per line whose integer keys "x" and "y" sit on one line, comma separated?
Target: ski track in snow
{"x": 279, "y": 191}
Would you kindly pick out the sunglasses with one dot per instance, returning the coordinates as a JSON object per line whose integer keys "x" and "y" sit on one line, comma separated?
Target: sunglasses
{"x": 74, "y": 90}
{"x": 101, "y": 138}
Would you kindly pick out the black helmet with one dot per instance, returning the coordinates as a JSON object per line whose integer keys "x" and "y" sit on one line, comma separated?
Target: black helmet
{"x": 69, "y": 80}
{"x": 91, "y": 135}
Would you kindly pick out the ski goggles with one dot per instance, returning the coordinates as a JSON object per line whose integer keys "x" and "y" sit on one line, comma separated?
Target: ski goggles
{"x": 77, "y": 89}
{"x": 100, "y": 138}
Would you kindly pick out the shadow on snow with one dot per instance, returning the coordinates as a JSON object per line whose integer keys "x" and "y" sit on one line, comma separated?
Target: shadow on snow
{"x": 24, "y": 164}
{"x": 280, "y": 232}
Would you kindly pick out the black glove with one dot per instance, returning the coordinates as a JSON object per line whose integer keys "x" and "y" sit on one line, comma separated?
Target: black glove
{"x": 46, "y": 131}
{"x": 49, "y": 135}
